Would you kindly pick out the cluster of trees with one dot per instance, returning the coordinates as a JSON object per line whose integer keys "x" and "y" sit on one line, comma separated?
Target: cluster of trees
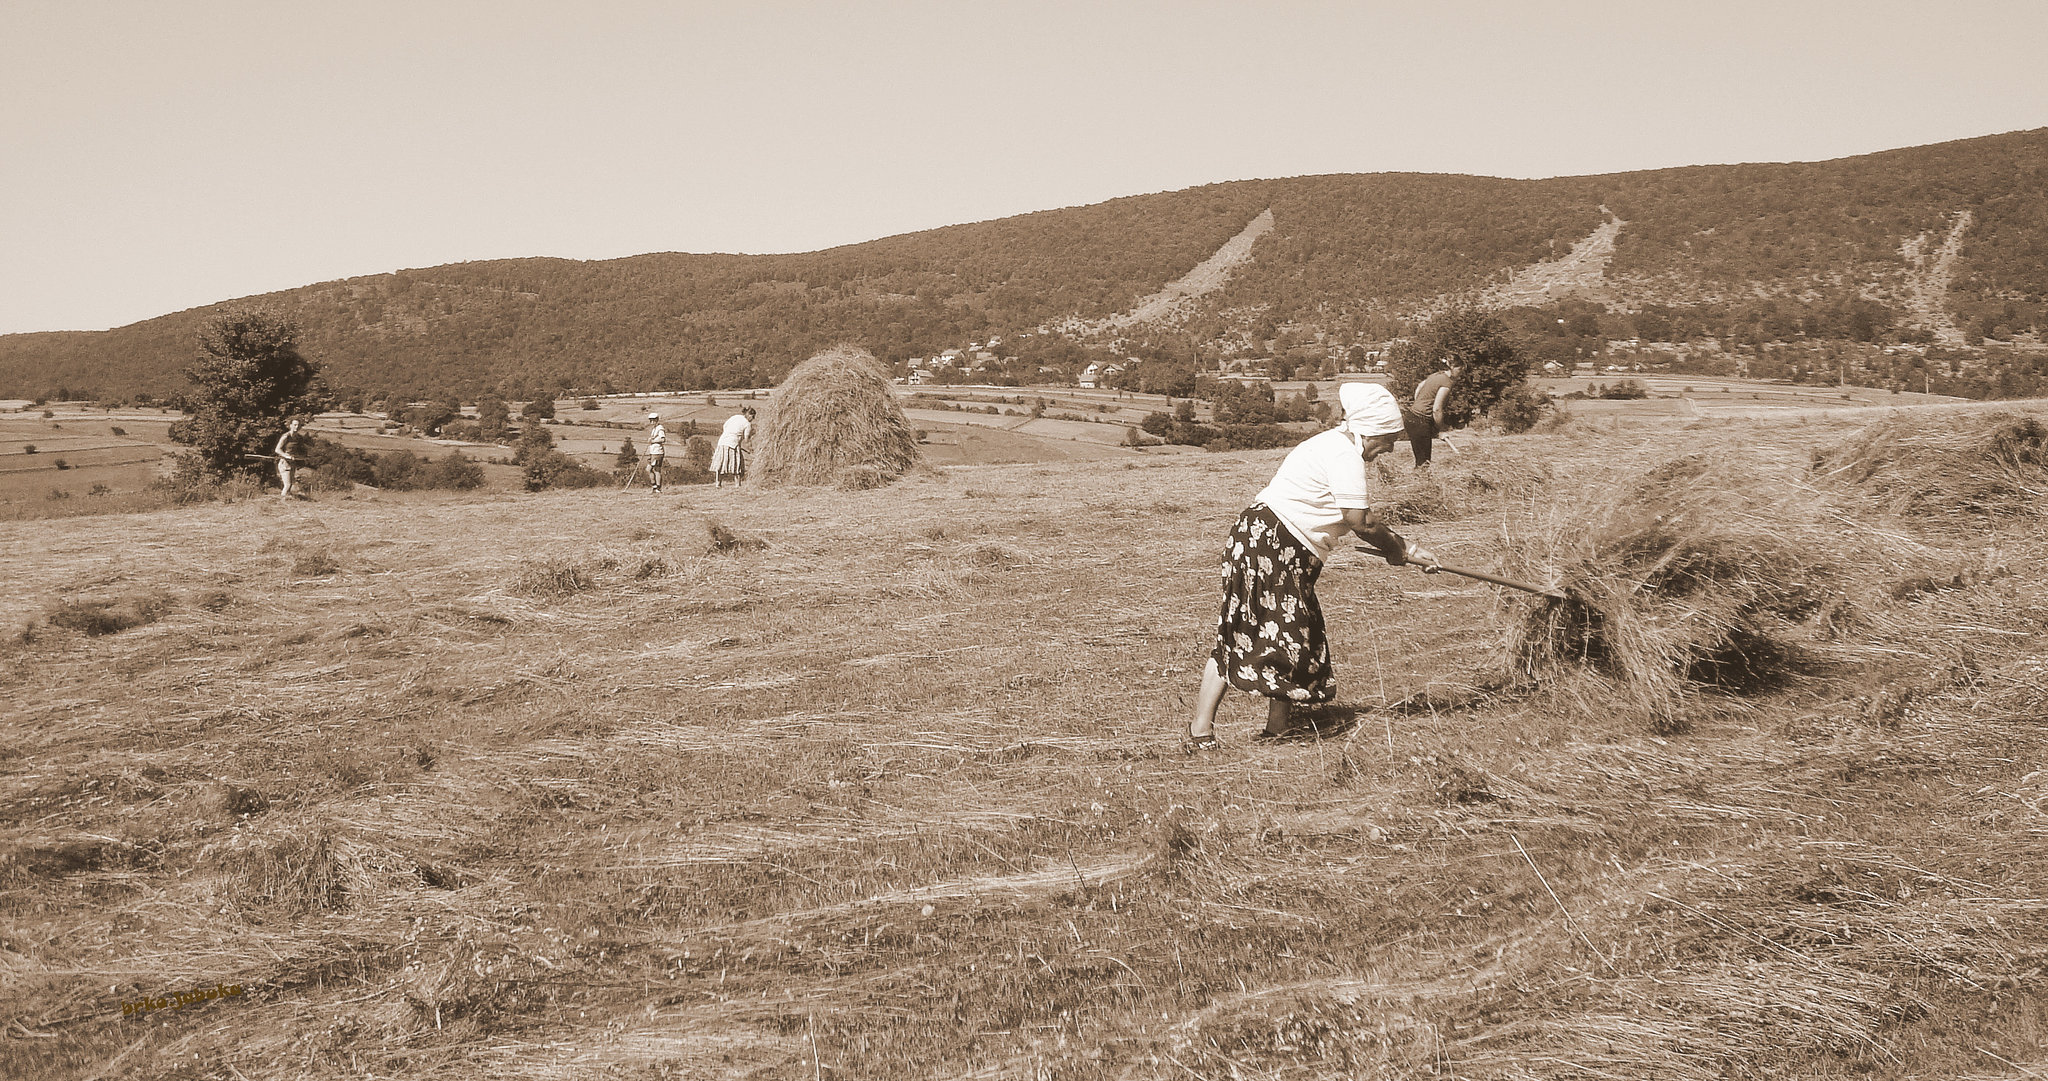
{"x": 545, "y": 467}
{"x": 1495, "y": 368}
{"x": 334, "y": 464}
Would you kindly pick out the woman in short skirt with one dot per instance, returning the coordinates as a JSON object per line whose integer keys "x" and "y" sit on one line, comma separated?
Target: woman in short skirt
{"x": 729, "y": 457}
{"x": 1269, "y": 634}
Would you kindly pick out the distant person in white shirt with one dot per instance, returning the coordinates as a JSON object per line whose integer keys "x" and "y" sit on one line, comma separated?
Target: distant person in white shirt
{"x": 657, "y": 446}
{"x": 1269, "y": 635}
{"x": 291, "y": 449}
{"x": 729, "y": 457}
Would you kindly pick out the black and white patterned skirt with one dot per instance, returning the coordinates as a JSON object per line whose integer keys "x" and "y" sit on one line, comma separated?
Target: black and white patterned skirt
{"x": 1269, "y": 635}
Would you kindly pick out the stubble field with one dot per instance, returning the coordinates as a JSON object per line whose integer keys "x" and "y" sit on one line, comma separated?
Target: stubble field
{"x": 888, "y": 784}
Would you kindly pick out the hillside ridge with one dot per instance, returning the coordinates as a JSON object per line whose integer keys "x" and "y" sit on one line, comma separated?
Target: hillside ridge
{"x": 1745, "y": 254}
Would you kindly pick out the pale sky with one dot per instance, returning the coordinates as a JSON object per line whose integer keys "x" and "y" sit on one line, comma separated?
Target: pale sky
{"x": 157, "y": 155}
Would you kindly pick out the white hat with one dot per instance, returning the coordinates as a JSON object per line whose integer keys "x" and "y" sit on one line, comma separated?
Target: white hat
{"x": 1369, "y": 409}
{"x": 654, "y": 416}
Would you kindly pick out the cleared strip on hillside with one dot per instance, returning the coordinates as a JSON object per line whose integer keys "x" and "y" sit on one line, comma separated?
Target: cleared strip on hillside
{"x": 1176, "y": 297}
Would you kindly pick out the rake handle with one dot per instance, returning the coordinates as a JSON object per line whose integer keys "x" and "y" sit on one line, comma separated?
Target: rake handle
{"x": 1496, "y": 579}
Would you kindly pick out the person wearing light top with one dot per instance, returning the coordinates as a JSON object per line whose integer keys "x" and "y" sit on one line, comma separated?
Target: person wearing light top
{"x": 729, "y": 457}
{"x": 1269, "y": 634}
{"x": 291, "y": 447}
{"x": 657, "y": 445}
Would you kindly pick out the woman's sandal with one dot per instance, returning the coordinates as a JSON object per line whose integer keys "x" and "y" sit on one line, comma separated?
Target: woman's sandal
{"x": 1204, "y": 743}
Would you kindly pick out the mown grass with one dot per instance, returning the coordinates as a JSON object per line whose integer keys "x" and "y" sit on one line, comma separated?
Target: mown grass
{"x": 898, "y": 793}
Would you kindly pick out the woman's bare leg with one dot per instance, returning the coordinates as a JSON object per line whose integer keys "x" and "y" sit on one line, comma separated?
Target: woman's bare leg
{"x": 1277, "y": 710}
{"x": 1207, "y": 700}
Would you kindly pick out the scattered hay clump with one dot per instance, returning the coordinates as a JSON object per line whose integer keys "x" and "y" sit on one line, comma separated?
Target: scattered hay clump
{"x": 552, "y": 579}
{"x": 723, "y": 541}
{"x": 1462, "y": 486}
{"x": 835, "y": 421}
{"x": 1709, "y": 573}
{"x": 1952, "y": 466}
{"x": 97, "y": 617}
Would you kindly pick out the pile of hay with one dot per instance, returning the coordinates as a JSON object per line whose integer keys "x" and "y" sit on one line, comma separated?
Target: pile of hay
{"x": 1709, "y": 573}
{"x": 1952, "y": 466}
{"x": 835, "y": 421}
{"x": 1458, "y": 487}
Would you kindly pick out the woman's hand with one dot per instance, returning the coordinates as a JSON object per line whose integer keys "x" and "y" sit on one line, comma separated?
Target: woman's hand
{"x": 1421, "y": 557}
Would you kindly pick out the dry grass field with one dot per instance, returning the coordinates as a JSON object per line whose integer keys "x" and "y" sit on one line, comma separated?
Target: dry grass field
{"x": 803, "y": 783}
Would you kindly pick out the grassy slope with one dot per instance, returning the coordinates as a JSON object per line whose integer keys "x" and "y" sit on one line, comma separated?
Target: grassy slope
{"x": 555, "y": 792}
{"x": 1343, "y": 246}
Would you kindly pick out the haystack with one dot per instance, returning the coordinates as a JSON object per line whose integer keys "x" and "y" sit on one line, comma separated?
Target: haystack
{"x": 835, "y": 421}
{"x": 1707, "y": 573}
{"x": 1952, "y": 466}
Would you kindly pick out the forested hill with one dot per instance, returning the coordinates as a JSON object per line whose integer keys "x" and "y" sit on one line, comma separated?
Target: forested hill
{"x": 1851, "y": 247}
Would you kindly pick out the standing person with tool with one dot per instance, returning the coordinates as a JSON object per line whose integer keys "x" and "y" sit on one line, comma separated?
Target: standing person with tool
{"x": 1270, "y": 639}
{"x": 1423, "y": 418}
{"x": 657, "y": 446}
{"x": 729, "y": 457}
{"x": 290, "y": 451}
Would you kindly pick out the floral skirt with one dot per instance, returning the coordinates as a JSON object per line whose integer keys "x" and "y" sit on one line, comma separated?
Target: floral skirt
{"x": 1269, "y": 635}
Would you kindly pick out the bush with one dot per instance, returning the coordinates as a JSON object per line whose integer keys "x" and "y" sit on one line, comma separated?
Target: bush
{"x": 452, "y": 472}
{"x": 61, "y": 464}
{"x": 28, "y": 448}
{"x": 1520, "y": 409}
{"x": 1627, "y": 390}
{"x": 553, "y": 469}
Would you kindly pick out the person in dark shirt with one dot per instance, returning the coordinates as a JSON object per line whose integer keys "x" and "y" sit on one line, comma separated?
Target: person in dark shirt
{"x": 1424, "y": 416}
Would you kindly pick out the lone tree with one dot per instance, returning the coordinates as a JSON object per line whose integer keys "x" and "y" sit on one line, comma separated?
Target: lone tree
{"x": 1494, "y": 366}
{"x": 248, "y": 381}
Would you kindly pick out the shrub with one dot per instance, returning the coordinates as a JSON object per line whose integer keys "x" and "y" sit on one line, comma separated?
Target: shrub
{"x": 552, "y": 469}
{"x": 452, "y": 472}
{"x": 1520, "y": 408}
{"x": 61, "y": 464}
{"x": 28, "y": 448}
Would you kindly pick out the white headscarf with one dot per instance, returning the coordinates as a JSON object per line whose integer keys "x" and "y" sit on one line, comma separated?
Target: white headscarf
{"x": 1369, "y": 409}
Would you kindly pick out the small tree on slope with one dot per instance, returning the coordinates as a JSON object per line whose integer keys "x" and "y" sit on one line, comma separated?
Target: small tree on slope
{"x": 249, "y": 380}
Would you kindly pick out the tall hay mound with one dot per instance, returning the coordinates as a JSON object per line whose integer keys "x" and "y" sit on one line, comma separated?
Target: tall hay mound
{"x": 1954, "y": 466}
{"x": 835, "y": 421}
{"x": 1707, "y": 574}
